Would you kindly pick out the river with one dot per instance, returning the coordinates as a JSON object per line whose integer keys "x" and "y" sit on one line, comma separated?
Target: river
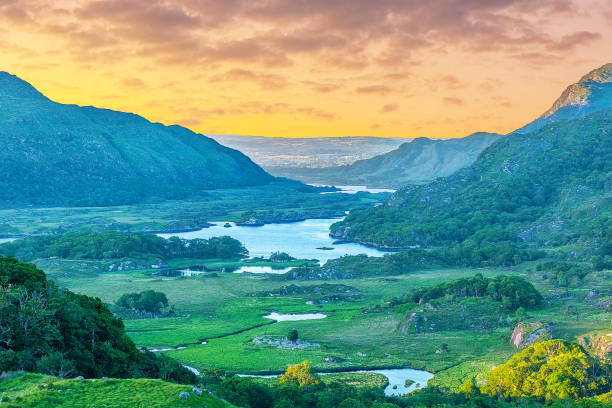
{"x": 298, "y": 239}
{"x": 397, "y": 378}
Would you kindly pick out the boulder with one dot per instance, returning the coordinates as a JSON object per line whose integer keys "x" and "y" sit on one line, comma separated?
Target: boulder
{"x": 80, "y": 377}
{"x": 184, "y": 395}
{"x": 603, "y": 346}
{"x": 526, "y": 334}
{"x": 197, "y": 392}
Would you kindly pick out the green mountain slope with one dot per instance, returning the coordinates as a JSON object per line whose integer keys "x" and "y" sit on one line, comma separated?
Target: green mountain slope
{"x": 551, "y": 186}
{"x": 27, "y": 390}
{"x": 417, "y": 162}
{"x": 54, "y": 154}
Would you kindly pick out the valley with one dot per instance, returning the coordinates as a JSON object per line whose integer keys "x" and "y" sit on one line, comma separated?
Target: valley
{"x": 484, "y": 280}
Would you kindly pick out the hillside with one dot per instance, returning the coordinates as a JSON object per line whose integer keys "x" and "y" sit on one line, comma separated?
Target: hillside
{"x": 55, "y": 155}
{"x": 592, "y": 93}
{"x": 41, "y": 391}
{"x": 417, "y": 162}
{"x": 551, "y": 186}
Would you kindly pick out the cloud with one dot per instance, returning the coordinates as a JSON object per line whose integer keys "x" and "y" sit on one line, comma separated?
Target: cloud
{"x": 571, "y": 41}
{"x": 374, "y": 89}
{"x": 346, "y": 34}
{"x": 135, "y": 83}
{"x": 265, "y": 80}
{"x": 392, "y": 107}
{"x": 453, "y": 100}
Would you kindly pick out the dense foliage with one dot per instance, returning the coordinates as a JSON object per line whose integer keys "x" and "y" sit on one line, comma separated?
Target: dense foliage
{"x": 49, "y": 330}
{"x": 56, "y": 154}
{"x": 523, "y": 187}
{"x": 248, "y": 393}
{"x": 475, "y": 252}
{"x": 512, "y": 291}
{"x": 548, "y": 370}
{"x": 114, "y": 244}
{"x": 148, "y": 301}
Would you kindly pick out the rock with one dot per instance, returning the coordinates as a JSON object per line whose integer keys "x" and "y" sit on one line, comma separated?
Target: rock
{"x": 104, "y": 378}
{"x": 603, "y": 346}
{"x": 184, "y": 395}
{"x": 80, "y": 377}
{"x": 592, "y": 293}
{"x": 197, "y": 392}
{"x": 526, "y": 334}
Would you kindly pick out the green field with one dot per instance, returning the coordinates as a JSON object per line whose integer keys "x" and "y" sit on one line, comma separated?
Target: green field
{"x": 224, "y": 312}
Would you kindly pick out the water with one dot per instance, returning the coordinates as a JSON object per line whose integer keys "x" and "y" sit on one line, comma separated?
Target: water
{"x": 358, "y": 189}
{"x": 3, "y": 240}
{"x": 262, "y": 269}
{"x": 298, "y": 239}
{"x": 294, "y": 317}
{"x": 189, "y": 272}
{"x": 397, "y": 379}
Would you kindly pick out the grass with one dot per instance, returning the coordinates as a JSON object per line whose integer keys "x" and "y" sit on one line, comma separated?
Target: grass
{"x": 35, "y": 390}
{"x": 225, "y": 312}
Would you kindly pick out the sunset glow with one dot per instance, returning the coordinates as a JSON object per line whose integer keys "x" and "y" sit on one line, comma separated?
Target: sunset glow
{"x": 388, "y": 68}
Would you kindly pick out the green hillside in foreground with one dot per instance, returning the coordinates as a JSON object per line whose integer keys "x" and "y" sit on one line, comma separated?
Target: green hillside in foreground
{"x": 551, "y": 186}
{"x": 26, "y": 390}
{"x": 55, "y": 155}
{"x": 416, "y": 162}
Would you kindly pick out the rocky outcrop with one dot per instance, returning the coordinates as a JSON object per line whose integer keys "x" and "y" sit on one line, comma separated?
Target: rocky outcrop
{"x": 598, "y": 345}
{"x": 285, "y": 343}
{"x": 526, "y": 334}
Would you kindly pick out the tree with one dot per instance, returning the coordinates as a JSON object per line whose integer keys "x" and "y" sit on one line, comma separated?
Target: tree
{"x": 469, "y": 388}
{"x": 300, "y": 374}
{"x": 292, "y": 335}
{"x": 547, "y": 370}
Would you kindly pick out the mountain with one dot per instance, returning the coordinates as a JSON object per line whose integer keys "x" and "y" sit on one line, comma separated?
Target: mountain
{"x": 276, "y": 153}
{"x": 417, "y": 162}
{"x": 591, "y": 94}
{"x": 548, "y": 187}
{"x": 55, "y": 154}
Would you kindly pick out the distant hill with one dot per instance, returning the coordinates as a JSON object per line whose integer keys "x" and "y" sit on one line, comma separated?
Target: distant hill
{"x": 552, "y": 186}
{"x": 547, "y": 183}
{"x": 276, "y": 153}
{"x": 54, "y": 154}
{"x": 591, "y": 94}
{"x": 417, "y": 162}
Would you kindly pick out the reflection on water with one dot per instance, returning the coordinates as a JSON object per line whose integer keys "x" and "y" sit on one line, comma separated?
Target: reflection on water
{"x": 298, "y": 239}
{"x": 262, "y": 269}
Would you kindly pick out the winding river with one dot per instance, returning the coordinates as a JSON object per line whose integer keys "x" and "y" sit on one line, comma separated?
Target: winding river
{"x": 397, "y": 378}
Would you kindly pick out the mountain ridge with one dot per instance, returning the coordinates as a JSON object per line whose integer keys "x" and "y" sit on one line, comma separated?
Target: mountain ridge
{"x": 416, "y": 162}
{"x": 57, "y": 154}
{"x": 591, "y": 93}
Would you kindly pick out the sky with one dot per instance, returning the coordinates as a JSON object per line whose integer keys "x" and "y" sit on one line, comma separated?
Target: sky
{"x": 306, "y": 68}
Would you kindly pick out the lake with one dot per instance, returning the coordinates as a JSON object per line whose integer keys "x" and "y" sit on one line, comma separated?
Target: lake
{"x": 298, "y": 239}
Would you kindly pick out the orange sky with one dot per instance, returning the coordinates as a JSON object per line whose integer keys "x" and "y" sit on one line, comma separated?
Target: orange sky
{"x": 295, "y": 68}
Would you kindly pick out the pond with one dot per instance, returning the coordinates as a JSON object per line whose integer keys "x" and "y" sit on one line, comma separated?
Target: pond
{"x": 298, "y": 239}
{"x": 294, "y": 317}
{"x": 262, "y": 269}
